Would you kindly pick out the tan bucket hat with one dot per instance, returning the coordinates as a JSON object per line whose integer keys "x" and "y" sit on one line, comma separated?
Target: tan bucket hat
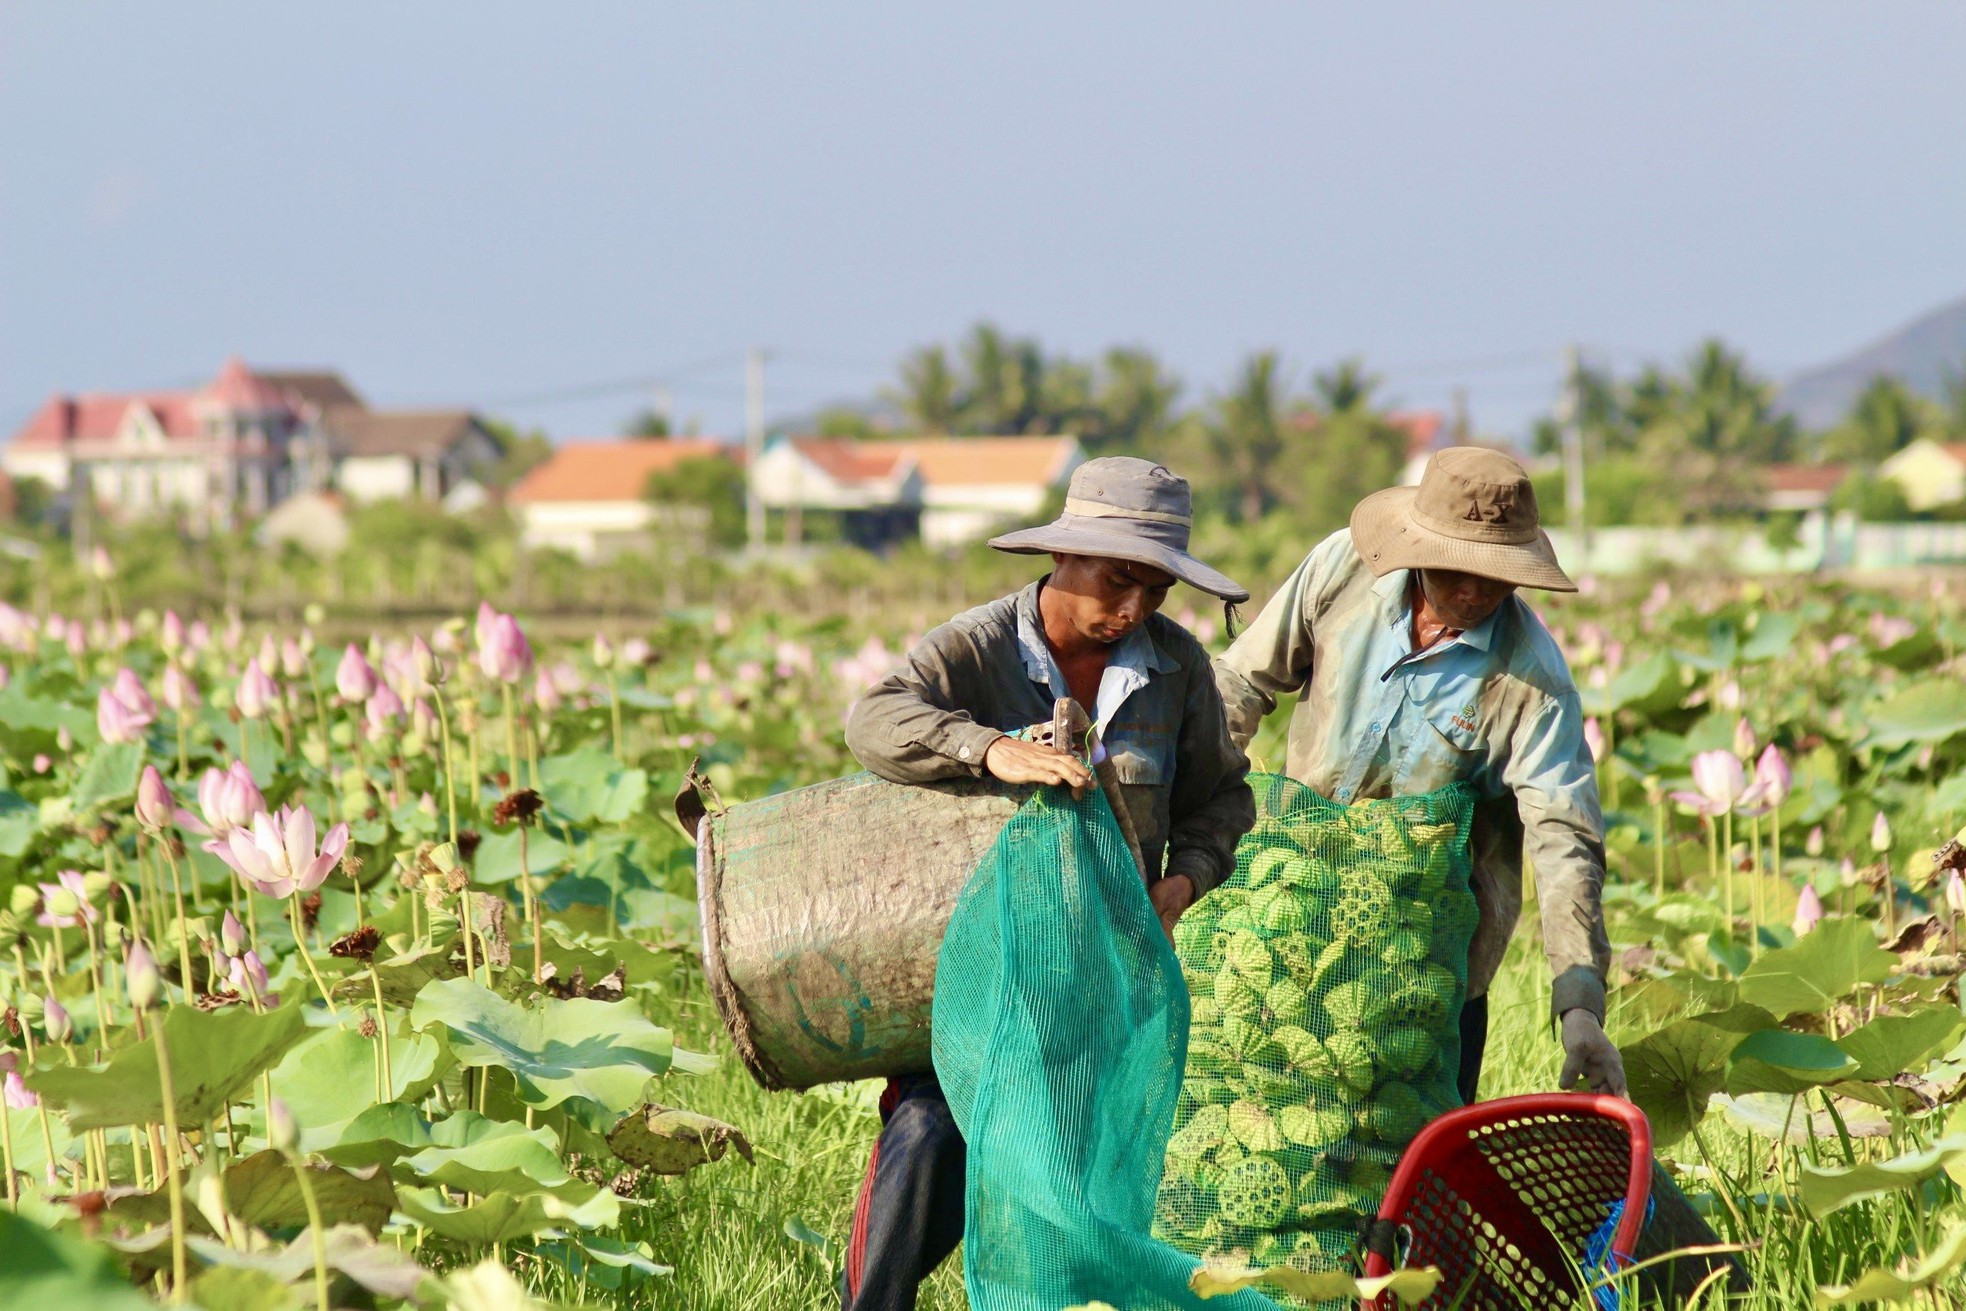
{"x": 1474, "y": 511}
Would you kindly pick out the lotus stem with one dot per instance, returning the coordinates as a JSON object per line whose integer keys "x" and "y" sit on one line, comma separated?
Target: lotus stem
{"x": 95, "y": 981}
{"x": 450, "y": 774}
{"x": 1727, "y": 858}
{"x": 511, "y": 737}
{"x": 532, "y": 903}
{"x": 313, "y": 1228}
{"x": 7, "y": 1153}
{"x": 176, "y": 1179}
{"x": 382, "y": 1036}
{"x": 614, "y": 712}
{"x": 300, "y": 945}
{"x": 183, "y": 943}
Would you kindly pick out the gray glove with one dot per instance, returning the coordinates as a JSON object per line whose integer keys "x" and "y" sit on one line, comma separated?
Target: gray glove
{"x": 1589, "y": 1055}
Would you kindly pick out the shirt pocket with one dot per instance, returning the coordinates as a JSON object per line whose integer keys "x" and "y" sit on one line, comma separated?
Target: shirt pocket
{"x": 1138, "y": 762}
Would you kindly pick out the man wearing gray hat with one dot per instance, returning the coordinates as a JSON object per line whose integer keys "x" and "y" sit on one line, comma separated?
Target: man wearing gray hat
{"x": 1090, "y": 630}
{"x": 1419, "y": 666}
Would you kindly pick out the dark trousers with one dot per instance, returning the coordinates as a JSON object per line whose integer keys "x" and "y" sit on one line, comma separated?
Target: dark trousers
{"x": 909, "y": 1216}
{"x": 1474, "y": 1040}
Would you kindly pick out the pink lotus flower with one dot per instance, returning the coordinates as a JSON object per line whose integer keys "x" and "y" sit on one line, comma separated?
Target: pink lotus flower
{"x": 1956, "y": 892}
{"x": 635, "y": 652}
{"x": 1808, "y": 911}
{"x": 257, "y": 692}
{"x": 171, "y": 635}
{"x": 1722, "y": 784}
{"x": 231, "y": 934}
{"x": 180, "y": 693}
{"x": 101, "y": 565}
{"x": 65, "y": 902}
{"x": 17, "y": 1095}
{"x": 269, "y": 652}
{"x": 1594, "y": 739}
{"x": 293, "y": 660}
{"x": 42, "y": 764}
{"x": 545, "y": 694}
{"x": 156, "y": 809}
{"x": 277, "y": 856}
{"x": 481, "y": 628}
{"x": 123, "y": 709}
{"x": 229, "y": 798}
{"x": 248, "y": 975}
{"x": 383, "y": 709}
{"x": 1813, "y": 844}
{"x": 140, "y": 977}
{"x": 353, "y": 678}
{"x": 198, "y": 636}
{"x": 1880, "y": 834}
{"x": 1771, "y": 781}
{"x": 504, "y": 654}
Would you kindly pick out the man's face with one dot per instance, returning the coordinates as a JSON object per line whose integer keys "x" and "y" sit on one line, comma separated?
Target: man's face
{"x": 1104, "y": 600}
{"x": 1462, "y": 600}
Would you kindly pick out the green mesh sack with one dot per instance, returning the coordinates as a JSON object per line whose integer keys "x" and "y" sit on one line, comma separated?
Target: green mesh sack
{"x": 1326, "y": 981}
{"x": 1060, "y": 1034}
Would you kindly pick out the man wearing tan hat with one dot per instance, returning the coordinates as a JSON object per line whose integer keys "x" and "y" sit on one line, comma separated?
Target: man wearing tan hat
{"x": 1419, "y": 666}
{"x": 1090, "y": 630}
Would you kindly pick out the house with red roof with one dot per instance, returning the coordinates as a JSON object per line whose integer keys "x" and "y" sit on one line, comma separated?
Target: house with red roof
{"x": 241, "y": 444}
{"x": 590, "y": 498}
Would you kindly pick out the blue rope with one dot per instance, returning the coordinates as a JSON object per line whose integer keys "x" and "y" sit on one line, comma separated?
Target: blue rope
{"x": 1600, "y": 1260}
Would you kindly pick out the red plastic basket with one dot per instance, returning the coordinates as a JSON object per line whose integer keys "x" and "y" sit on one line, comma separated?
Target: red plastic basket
{"x": 1503, "y": 1196}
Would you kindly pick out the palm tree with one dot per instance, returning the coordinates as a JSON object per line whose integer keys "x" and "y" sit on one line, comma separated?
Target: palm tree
{"x": 1345, "y": 389}
{"x": 1247, "y": 437}
{"x": 928, "y": 394}
{"x": 1885, "y": 418}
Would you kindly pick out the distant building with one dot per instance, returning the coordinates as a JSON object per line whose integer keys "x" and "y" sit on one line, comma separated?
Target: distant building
{"x": 1799, "y": 488}
{"x": 1932, "y": 474}
{"x": 590, "y": 499}
{"x": 240, "y": 445}
{"x": 950, "y": 491}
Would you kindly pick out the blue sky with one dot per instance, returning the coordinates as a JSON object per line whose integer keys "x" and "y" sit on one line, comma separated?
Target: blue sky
{"x": 542, "y": 210}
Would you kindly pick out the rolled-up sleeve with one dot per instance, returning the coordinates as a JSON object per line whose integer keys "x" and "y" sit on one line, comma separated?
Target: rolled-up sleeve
{"x": 1272, "y": 658}
{"x": 1211, "y": 806}
{"x": 909, "y": 727}
{"x": 1555, "y": 787}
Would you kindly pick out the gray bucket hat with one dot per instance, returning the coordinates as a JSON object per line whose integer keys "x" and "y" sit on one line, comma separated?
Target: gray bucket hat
{"x": 1120, "y": 508}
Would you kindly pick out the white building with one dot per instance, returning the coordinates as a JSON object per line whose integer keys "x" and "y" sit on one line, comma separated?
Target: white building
{"x": 590, "y": 498}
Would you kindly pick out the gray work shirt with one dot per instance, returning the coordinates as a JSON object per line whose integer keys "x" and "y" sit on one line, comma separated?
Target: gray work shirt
{"x": 1494, "y": 706}
{"x": 988, "y": 672}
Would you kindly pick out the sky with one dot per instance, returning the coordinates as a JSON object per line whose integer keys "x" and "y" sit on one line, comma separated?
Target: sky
{"x": 554, "y": 213}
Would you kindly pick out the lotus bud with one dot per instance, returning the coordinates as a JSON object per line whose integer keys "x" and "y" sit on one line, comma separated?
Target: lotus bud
{"x": 426, "y": 806}
{"x": 603, "y": 652}
{"x": 1956, "y": 892}
{"x": 1771, "y": 774}
{"x": 353, "y": 677}
{"x": 64, "y": 740}
{"x": 1880, "y": 834}
{"x": 171, "y": 635}
{"x": 178, "y": 690}
{"x": 428, "y": 667}
{"x": 145, "y": 984}
{"x": 1808, "y": 911}
{"x": 293, "y": 660}
{"x": 269, "y": 652}
{"x": 1594, "y": 739}
{"x": 234, "y": 635}
{"x": 156, "y": 810}
{"x": 282, "y": 1134}
{"x": 503, "y": 654}
{"x": 248, "y": 974}
{"x": 545, "y": 694}
{"x": 1814, "y": 845}
{"x": 257, "y": 693}
{"x": 1847, "y": 872}
{"x": 23, "y": 899}
{"x": 101, "y": 566}
{"x": 55, "y": 1021}
{"x": 231, "y": 934}
{"x": 636, "y": 652}
{"x": 1744, "y": 743}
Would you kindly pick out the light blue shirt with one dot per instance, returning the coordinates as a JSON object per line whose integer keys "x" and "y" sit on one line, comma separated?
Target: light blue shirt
{"x": 1126, "y": 669}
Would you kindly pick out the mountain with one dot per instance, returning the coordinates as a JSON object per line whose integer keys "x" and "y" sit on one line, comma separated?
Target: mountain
{"x": 1918, "y": 354}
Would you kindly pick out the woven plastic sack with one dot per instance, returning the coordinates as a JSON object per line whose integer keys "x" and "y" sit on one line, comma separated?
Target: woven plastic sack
{"x": 1060, "y": 1034}
{"x": 1326, "y": 982}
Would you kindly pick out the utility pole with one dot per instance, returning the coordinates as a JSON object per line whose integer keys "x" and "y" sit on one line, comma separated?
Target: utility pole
{"x": 754, "y": 446}
{"x": 1571, "y": 416}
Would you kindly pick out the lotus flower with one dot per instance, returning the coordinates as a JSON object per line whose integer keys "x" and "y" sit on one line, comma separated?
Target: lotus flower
{"x": 1956, "y": 892}
{"x": 1722, "y": 784}
{"x": 55, "y": 1021}
{"x": 1880, "y": 834}
{"x": 383, "y": 709}
{"x": 180, "y": 693}
{"x": 277, "y": 856}
{"x": 1594, "y": 739}
{"x": 1808, "y": 910}
{"x": 231, "y": 934}
{"x": 635, "y": 652}
{"x": 247, "y": 975}
{"x": 1772, "y": 780}
{"x": 140, "y": 976}
{"x": 545, "y": 694}
{"x": 16, "y": 1093}
{"x": 171, "y": 635}
{"x": 481, "y": 628}
{"x": 1813, "y": 845}
{"x": 293, "y": 660}
{"x": 65, "y": 902}
{"x": 156, "y": 808}
{"x": 269, "y": 652}
{"x": 257, "y": 691}
{"x": 504, "y": 654}
{"x": 198, "y": 636}
{"x": 353, "y": 678}
{"x": 123, "y": 709}
{"x": 229, "y": 798}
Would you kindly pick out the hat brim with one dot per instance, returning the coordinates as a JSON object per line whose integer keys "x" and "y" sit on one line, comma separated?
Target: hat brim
{"x": 1387, "y": 537}
{"x": 1070, "y": 540}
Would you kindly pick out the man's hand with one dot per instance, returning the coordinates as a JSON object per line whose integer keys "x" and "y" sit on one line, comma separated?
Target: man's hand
{"x": 1171, "y": 896}
{"x": 1013, "y": 760}
{"x": 1589, "y": 1055}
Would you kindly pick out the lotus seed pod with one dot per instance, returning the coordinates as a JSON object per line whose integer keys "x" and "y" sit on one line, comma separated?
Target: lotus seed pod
{"x": 95, "y": 885}
{"x": 63, "y": 904}
{"x": 24, "y": 898}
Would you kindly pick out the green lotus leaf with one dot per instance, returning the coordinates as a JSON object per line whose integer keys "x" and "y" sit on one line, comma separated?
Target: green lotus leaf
{"x": 1824, "y": 1191}
{"x": 1819, "y": 970}
{"x": 1673, "y": 1073}
{"x": 329, "y": 1079}
{"x": 215, "y": 1056}
{"x": 1891, "y": 1045}
{"x": 474, "y": 1154}
{"x": 1778, "y": 1061}
{"x": 44, "y": 1267}
{"x": 506, "y": 1217}
{"x": 603, "y": 1053}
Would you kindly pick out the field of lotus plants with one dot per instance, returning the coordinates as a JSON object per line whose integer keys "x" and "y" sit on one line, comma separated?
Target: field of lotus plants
{"x": 350, "y": 973}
